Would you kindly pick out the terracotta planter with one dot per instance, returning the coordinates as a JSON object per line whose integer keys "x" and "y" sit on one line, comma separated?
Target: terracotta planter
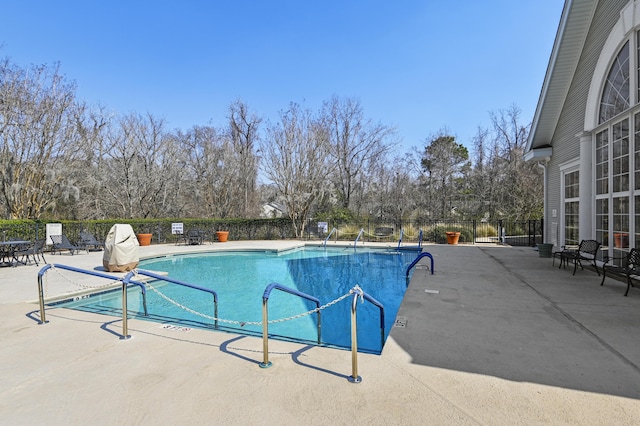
{"x": 222, "y": 236}
{"x": 621, "y": 240}
{"x": 452, "y": 237}
{"x": 144, "y": 239}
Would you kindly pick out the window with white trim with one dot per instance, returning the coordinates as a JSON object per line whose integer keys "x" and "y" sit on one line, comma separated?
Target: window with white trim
{"x": 615, "y": 96}
{"x": 616, "y": 160}
{"x": 571, "y": 207}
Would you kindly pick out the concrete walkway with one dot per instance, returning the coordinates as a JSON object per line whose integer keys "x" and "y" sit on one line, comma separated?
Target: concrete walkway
{"x": 496, "y": 336}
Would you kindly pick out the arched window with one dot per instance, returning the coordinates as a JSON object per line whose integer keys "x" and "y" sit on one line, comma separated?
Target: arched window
{"x": 612, "y": 117}
{"x": 615, "y": 96}
{"x": 615, "y": 167}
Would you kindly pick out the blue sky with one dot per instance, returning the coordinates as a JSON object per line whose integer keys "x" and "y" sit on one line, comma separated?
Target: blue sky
{"x": 418, "y": 66}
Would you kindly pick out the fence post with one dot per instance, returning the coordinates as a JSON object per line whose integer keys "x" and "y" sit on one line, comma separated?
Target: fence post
{"x": 474, "y": 231}
{"x": 532, "y": 233}
{"x": 369, "y": 229}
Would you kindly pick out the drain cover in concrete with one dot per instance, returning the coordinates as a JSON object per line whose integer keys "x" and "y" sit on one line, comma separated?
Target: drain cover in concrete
{"x": 400, "y": 322}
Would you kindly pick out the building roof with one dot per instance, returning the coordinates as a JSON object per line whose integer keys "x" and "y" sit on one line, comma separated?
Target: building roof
{"x": 567, "y": 48}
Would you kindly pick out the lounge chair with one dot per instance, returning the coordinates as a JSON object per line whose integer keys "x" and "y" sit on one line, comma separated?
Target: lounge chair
{"x": 35, "y": 251}
{"x": 61, "y": 242}
{"x": 87, "y": 239}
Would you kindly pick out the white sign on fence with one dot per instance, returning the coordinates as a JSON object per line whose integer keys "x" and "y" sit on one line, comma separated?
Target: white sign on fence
{"x": 53, "y": 229}
{"x": 177, "y": 228}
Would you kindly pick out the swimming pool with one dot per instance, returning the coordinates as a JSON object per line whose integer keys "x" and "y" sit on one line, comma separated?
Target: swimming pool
{"x": 240, "y": 278}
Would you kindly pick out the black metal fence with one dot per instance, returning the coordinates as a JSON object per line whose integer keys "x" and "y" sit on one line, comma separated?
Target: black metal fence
{"x": 517, "y": 233}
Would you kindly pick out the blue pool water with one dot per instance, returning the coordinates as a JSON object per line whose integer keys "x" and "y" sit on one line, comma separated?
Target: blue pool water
{"x": 240, "y": 278}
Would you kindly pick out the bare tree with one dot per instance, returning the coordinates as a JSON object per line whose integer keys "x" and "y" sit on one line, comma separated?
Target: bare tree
{"x": 91, "y": 172}
{"x": 243, "y": 133}
{"x": 37, "y": 136}
{"x": 355, "y": 143}
{"x": 519, "y": 183}
{"x": 482, "y": 178}
{"x": 296, "y": 161}
{"x": 205, "y": 191}
{"x": 219, "y": 183}
{"x": 142, "y": 166}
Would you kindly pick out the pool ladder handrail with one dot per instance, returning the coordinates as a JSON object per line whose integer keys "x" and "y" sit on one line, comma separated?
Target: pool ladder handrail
{"x": 329, "y": 236}
{"x": 359, "y": 293}
{"x": 402, "y": 235}
{"x": 415, "y": 262}
{"x": 125, "y": 329}
{"x": 155, "y": 276}
{"x": 400, "y": 240}
{"x": 265, "y": 316}
{"x": 355, "y": 243}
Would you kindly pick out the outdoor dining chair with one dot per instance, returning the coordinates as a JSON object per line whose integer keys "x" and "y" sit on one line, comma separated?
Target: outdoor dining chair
{"x": 35, "y": 252}
{"x": 587, "y": 250}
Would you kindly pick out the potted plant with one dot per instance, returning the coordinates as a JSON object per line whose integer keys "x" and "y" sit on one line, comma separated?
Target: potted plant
{"x": 452, "y": 237}
{"x": 144, "y": 238}
{"x": 222, "y": 236}
{"x": 621, "y": 240}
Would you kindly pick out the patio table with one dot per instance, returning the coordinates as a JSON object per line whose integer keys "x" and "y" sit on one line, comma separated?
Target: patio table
{"x": 8, "y": 251}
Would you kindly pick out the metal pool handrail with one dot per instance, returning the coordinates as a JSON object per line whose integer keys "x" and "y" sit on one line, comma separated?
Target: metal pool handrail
{"x": 419, "y": 246}
{"x": 125, "y": 330}
{"x": 358, "y": 237}
{"x": 400, "y": 240}
{"x": 329, "y": 236}
{"x": 178, "y": 282}
{"x": 265, "y": 316}
{"x": 359, "y": 293}
{"x": 415, "y": 262}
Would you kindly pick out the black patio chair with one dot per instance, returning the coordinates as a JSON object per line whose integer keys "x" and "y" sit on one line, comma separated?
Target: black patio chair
{"x": 10, "y": 249}
{"x": 195, "y": 236}
{"x": 587, "y": 250}
{"x": 181, "y": 237}
{"x": 629, "y": 267}
{"x": 35, "y": 252}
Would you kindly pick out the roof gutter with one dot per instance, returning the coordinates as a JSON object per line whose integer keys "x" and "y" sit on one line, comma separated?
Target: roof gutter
{"x": 546, "y": 85}
{"x": 539, "y": 154}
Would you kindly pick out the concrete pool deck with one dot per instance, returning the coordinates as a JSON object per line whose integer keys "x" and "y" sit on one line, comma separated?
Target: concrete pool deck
{"x": 497, "y": 336}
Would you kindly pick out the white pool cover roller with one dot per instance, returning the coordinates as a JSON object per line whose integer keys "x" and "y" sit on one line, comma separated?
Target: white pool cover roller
{"x": 120, "y": 249}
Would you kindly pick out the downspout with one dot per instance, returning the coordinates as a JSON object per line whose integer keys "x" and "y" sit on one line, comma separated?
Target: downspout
{"x": 544, "y": 198}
